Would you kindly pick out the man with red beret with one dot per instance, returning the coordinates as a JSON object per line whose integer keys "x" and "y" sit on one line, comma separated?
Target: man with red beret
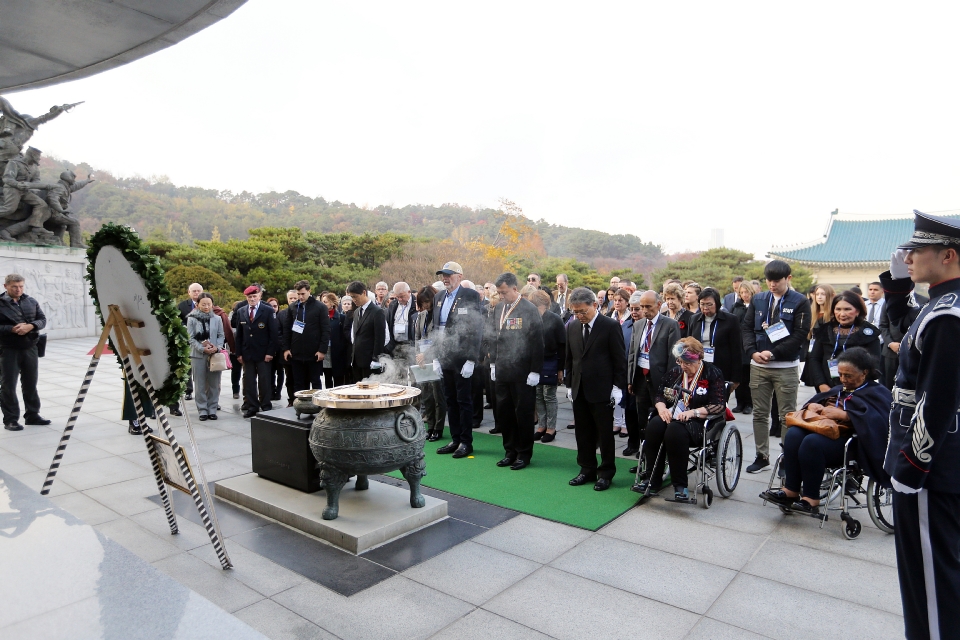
{"x": 257, "y": 338}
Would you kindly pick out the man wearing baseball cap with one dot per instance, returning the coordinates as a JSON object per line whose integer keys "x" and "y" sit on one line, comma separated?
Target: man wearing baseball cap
{"x": 258, "y": 338}
{"x": 458, "y": 323}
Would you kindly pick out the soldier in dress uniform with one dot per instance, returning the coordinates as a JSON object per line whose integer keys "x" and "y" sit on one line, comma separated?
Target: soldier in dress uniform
{"x": 923, "y": 455}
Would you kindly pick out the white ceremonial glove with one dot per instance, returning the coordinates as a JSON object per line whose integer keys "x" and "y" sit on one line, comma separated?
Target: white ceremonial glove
{"x": 375, "y": 365}
{"x": 436, "y": 368}
{"x": 533, "y": 379}
{"x": 897, "y": 486}
{"x": 493, "y": 373}
{"x": 616, "y": 395}
{"x": 898, "y": 268}
{"x": 569, "y": 394}
{"x": 467, "y": 370}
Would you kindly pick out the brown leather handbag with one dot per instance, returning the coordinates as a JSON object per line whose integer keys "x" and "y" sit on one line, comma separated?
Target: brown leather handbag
{"x": 812, "y": 421}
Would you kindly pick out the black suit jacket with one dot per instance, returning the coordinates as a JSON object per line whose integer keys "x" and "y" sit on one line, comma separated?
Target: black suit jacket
{"x": 596, "y": 367}
{"x": 369, "y": 334}
{"x": 316, "y": 331}
{"x": 665, "y": 335}
{"x": 727, "y": 343}
{"x": 391, "y": 314}
{"x": 461, "y": 338}
{"x": 518, "y": 343}
{"x": 260, "y": 338}
{"x": 185, "y": 308}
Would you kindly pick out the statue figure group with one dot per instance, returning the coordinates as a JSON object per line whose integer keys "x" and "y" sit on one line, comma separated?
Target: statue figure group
{"x": 33, "y": 211}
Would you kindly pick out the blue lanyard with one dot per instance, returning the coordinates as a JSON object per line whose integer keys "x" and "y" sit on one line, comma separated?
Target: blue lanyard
{"x": 300, "y": 305}
{"x": 780, "y": 308}
{"x": 713, "y": 329}
{"x": 848, "y": 396}
{"x": 836, "y": 343}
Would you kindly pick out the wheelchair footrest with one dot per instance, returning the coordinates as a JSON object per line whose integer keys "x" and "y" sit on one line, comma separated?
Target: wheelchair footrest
{"x": 690, "y": 500}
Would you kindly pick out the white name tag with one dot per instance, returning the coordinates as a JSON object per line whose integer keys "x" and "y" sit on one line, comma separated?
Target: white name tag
{"x": 708, "y": 354}
{"x": 298, "y": 326}
{"x": 400, "y": 330}
{"x": 644, "y": 361}
{"x": 834, "y": 368}
{"x": 461, "y": 312}
{"x": 778, "y": 331}
{"x": 812, "y": 340}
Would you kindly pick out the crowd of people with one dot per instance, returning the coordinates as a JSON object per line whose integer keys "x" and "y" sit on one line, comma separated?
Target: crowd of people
{"x": 660, "y": 363}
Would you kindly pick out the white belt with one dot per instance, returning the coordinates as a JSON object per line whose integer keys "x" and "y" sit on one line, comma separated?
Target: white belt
{"x": 906, "y": 397}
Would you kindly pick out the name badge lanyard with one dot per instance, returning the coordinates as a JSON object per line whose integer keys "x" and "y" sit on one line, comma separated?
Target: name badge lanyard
{"x": 713, "y": 331}
{"x": 779, "y": 309}
{"x": 644, "y": 346}
{"x": 683, "y": 404}
{"x": 836, "y": 344}
{"x": 848, "y": 396}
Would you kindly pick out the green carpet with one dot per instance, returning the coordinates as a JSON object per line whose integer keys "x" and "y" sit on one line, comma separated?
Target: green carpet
{"x": 540, "y": 490}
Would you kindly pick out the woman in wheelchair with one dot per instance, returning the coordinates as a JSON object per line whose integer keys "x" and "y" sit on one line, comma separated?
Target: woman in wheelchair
{"x": 859, "y": 405}
{"x": 689, "y": 393}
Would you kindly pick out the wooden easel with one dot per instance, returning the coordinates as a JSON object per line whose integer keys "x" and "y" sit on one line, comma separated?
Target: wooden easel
{"x": 128, "y": 351}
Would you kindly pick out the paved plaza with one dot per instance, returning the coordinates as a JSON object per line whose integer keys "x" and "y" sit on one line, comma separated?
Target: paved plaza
{"x": 661, "y": 570}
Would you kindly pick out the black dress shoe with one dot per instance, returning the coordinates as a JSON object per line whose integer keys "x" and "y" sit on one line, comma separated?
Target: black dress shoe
{"x": 236, "y": 396}
{"x": 431, "y": 436}
{"x": 582, "y": 478}
{"x": 737, "y": 409}
{"x": 267, "y": 407}
{"x": 38, "y": 420}
{"x": 13, "y": 426}
{"x": 463, "y": 451}
{"x": 249, "y": 413}
{"x": 538, "y": 434}
{"x": 476, "y": 425}
{"x": 494, "y": 430}
{"x": 778, "y": 497}
{"x": 775, "y": 431}
{"x": 805, "y": 507}
{"x": 627, "y": 452}
{"x": 602, "y": 484}
{"x": 212, "y": 416}
{"x": 175, "y": 412}
{"x": 450, "y": 447}
{"x": 571, "y": 426}
{"x": 506, "y": 462}
{"x": 204, "y": 418}
{"x": 488, "y": 406}
{"x": 624, "y": 434}
{"x": 276, "y": 397}
{"x": 549, "y": 437}
{"x": 133, "y": 428}
{"x": 519, "y": 464}
{"x": 747, "y": 410}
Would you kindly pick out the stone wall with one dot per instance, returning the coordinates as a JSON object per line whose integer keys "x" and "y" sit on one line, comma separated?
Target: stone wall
{"x": 54, "y": 276}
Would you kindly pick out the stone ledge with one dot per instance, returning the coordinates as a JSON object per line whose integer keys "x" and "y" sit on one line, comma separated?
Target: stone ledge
{"x": 367, "y": 518}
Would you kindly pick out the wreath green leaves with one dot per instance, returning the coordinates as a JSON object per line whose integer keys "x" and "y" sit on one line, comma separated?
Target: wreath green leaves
{"x": 147, "y": 266}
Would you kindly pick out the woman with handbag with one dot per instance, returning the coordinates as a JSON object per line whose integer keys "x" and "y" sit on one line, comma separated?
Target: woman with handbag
{"x": 819, "y": 432}
{"x": 205, "y": 329}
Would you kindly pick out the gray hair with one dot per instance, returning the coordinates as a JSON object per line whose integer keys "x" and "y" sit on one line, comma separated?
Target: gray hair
{"x": 381, "y": 283}
{"x": 582, "y": 295}
{"x": 13, "y": 277}
{"x": 401, "y": 287}
{"x": 564, "y": 276}
{"x": 635, "y": 297}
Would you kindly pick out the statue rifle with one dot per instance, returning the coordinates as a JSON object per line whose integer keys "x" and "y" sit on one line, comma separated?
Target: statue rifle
{"x": 67, "y": 107}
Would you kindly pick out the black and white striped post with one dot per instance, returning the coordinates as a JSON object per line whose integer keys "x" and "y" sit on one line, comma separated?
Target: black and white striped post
{"x": 185, "y": 470}
{"x": 71, "y": 422}
{"x": 151, "y": 448}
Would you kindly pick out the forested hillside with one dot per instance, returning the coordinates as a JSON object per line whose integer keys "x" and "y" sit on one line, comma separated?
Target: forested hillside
{"x": 159, "y": 208}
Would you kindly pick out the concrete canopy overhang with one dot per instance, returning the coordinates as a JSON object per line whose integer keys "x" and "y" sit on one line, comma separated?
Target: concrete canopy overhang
{"x": 45, "y": 42}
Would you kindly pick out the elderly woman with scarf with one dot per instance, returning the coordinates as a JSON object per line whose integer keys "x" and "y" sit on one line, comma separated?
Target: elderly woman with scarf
{"x": 205, "y": 329}
{"x": 689, "y": 393}
{"x": 859, "y": 405}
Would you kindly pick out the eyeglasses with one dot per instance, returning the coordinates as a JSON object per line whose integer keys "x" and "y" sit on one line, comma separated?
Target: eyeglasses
{"x": 636, "y": 308}
{"x": 531, "y": 279}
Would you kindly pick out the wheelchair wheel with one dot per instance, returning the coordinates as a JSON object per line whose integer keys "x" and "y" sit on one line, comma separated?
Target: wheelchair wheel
{"x": 880, "y": 506}
{"x": 707, "y": 497}
{"x": 729, "y": 460}
{"x": 851, "y": 527}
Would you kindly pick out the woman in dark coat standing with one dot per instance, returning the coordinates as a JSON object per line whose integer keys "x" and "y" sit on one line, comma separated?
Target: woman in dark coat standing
{"x": 846, "y": 329}
{"x": 719, "y": 333}
{"x": 335, "y": 364}
{"x": 740, "y": 309}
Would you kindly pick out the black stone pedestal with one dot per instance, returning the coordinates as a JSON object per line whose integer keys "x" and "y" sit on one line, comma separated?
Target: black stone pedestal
{"x": 281, "y": 449}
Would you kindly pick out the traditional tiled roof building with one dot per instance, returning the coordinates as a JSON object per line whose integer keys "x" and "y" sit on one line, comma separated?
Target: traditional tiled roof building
{"x": 854, "y": 250}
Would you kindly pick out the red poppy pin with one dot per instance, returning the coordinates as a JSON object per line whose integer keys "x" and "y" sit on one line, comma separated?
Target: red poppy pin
{"x": 703, "y": 383}
{"x": 683, "y": 325}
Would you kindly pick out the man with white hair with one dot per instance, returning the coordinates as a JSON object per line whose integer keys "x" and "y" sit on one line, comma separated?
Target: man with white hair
{"x": 400, "y": 316}
{"x": 381, "y": 290}
{"x": 185, "y": 308}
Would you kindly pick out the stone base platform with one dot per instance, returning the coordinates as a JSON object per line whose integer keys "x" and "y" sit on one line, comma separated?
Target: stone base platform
{"x": 367, "y": 518}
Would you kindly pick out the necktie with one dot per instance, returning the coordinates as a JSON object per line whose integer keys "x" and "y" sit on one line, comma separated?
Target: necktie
{"x": 251, "y": 313}
{"x": 646, "y": 343}
{"x": 359, "y": 314}
{"x": 586, "y": 333}
{"x": 873, "y": 310}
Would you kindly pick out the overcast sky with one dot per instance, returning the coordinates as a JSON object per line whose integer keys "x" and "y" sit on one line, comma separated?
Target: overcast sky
{"x": 656, "y": 118}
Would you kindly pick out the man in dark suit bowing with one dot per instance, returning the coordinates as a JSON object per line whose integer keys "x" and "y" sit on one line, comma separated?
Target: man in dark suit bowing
{"x": 258, "y": 338}
{"x": 597, "y": 374}
{"x": 368, "y": 332}
{"x": 458, "y": 325}
{"x": 648, "y": 359}
{"x": 516, "y": 360}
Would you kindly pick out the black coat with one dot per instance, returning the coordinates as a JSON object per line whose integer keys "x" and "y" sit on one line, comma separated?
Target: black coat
{"x": 391, "y": 314}
{"x": 740, "y": 309}
{"x": 12, "y": 314}
{"x": 683, "y": 321}
{"x": 554, "y": 341}
{"x": 369, "y": 334}
{"x": 596, "y": 367}
{"x": 463, "y": 334}
{"x": 518, "y": 346}
{"x": 338, "y": 346}
{"x": 185, "y": 308}
{"x": 825, "y": 343}
{"x": 727, "y": 343}
{"x": 260, "y": 338}
{"x": 316, "y": 331}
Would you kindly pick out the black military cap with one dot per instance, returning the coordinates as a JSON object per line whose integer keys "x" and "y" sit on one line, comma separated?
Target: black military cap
{"x": 931, "y": 230}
